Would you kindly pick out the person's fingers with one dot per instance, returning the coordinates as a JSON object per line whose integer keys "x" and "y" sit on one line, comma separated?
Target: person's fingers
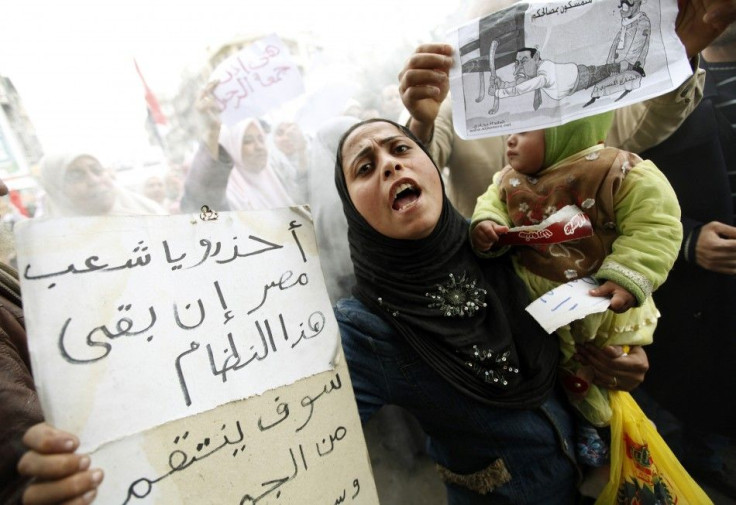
{"x": 85, "y": 499}
{"x": 51, "y": 466}
{"x": 210, "y": 87}
{"x": 722, "y": 14}
{"x": 77, "y": 488}
{"x": 628, "y": 369}
{"x": 423, "y": 77}
{"x": 619, "y": 303}
{"x": 611, "y": 351}
{"x": 608, "y": 382}
{"x": 429, "y": 61}
{"x": 46, "y": 439}
{"x": 605, "y": 289}
{"x": 434, "y": 47}
{"x": 416, "y": 93}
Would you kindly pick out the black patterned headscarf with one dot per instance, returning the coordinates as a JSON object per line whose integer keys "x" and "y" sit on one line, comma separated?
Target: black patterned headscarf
{"x": 462, "y": 314}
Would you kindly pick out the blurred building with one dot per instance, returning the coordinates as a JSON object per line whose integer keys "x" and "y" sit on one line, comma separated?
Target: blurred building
{"x": 20, "y": 149}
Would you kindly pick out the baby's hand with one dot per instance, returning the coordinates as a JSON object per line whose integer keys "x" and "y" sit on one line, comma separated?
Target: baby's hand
{"x": 621, "y": 299}
{"x": 485, "y": 235}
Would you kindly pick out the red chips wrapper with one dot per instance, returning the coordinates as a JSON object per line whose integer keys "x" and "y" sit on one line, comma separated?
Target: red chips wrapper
{"x": 568, "y": 223}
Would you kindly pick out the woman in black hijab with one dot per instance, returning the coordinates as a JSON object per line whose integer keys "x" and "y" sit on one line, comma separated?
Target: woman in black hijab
{"x": 443, "y": 333}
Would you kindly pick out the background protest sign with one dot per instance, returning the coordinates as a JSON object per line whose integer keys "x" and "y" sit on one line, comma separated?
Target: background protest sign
{"x": 590, "y": 56}
{"x": 260, "y": 77}
{"x": 147, "y": 334}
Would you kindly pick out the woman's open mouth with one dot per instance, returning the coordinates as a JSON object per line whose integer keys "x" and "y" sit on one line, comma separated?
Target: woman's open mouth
{"x": 405, "y": 195}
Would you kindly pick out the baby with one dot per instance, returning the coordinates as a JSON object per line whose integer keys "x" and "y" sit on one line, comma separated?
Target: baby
{"x": 637, "y": 234}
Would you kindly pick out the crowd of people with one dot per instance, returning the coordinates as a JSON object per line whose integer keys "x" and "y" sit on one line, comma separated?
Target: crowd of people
{"x": 391, "y": 200}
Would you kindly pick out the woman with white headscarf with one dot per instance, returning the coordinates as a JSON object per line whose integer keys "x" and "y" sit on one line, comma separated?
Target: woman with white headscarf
{"x": 231, "y": 169}
{"x": 289, "y": 150}
{"x": 253, "y": 184}
{"x": 77, "y": 184}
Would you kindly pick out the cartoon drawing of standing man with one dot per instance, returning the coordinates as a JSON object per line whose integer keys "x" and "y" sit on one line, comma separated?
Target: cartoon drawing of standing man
{"x": 631, "y": 44}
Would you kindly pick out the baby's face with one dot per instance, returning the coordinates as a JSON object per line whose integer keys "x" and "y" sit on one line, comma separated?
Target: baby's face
{"x": 525, "y": 151}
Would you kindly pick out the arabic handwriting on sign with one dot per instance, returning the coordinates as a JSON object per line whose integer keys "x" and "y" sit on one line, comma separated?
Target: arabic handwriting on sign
{"x": 213, "y": 250}
{"x": 208, "y": 252}
{"x": 282, "y": 409}
{"x": 308, "y": 401}
{"x": 184, "y": 326}
{"x": 277, "y": 483}
{"x": 260, "y": 354}
{"x": 169, "y": 258}
{"x": 316, "y": 324}
{"x": 283, "y": 284}
{"x": 226, "y": 365}
{"x": 236, "y": 254}
{"x": 339, "y": 434}
{"x": 228, "y": 313}
{"x": 124, "y": 327}
{"x": 91, "y": 265}
{"x": 179, "y": 460}
{"x": 139, "y": 261}
{"x": 340, "y": 498}
{"x": 293, "y": 226}
{"x": 237, "y": 360}
{"x": 356, "y": 486}
{"x": 182, "y": 382}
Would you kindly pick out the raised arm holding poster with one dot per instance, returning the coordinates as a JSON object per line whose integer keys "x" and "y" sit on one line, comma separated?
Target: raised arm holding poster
{"x": 539, "y": 64}
{"x": 198, "y": 360}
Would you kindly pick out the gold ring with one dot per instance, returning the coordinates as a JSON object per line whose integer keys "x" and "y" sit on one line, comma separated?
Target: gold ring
{"x": 614, "y": 383}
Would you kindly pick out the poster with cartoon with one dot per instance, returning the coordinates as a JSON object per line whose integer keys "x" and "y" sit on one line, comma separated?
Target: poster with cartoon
{"x": 539, "y": 64}
{"x": 196, "y": 357}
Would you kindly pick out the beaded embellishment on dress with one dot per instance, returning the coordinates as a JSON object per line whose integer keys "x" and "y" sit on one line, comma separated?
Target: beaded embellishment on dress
{"x": 457, "y": 297}
{"x": 491, "y": 366}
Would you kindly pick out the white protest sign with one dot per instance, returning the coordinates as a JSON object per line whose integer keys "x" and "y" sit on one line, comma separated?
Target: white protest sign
{"x": 567, "y": 303}
{"x": 137, "y": 321}
{"x": 543, "y": 63}
{"x": 258, "y": 78}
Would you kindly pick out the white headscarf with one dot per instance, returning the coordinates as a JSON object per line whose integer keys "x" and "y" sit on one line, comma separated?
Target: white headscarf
{"x": 56, "y": 204}
{"x": 248, "y": 189}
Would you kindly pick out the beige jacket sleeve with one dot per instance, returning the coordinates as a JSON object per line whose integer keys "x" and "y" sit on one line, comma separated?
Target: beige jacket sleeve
{"x": 643, "y": 125}
{"x": 471, "y": 163}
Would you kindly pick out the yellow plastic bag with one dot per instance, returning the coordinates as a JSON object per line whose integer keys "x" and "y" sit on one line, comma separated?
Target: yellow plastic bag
{"x": 644, "y": 470}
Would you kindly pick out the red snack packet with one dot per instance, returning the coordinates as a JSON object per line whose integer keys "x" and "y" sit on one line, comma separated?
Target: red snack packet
{"x": 568, "y": 223}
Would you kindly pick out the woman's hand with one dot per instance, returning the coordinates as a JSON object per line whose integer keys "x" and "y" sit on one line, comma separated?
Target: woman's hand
{"x": 424, "y": 83}
{"x": 60, "y": 475}
{"x": 614, "y": 368}
{"x": 209, "y": 109}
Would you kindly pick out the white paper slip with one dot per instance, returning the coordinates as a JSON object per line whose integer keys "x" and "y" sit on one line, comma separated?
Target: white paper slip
{"x": 566, "y": 303}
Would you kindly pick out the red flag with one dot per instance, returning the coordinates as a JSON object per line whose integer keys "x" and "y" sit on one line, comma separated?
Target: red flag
{"x": 153, "y": 107}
